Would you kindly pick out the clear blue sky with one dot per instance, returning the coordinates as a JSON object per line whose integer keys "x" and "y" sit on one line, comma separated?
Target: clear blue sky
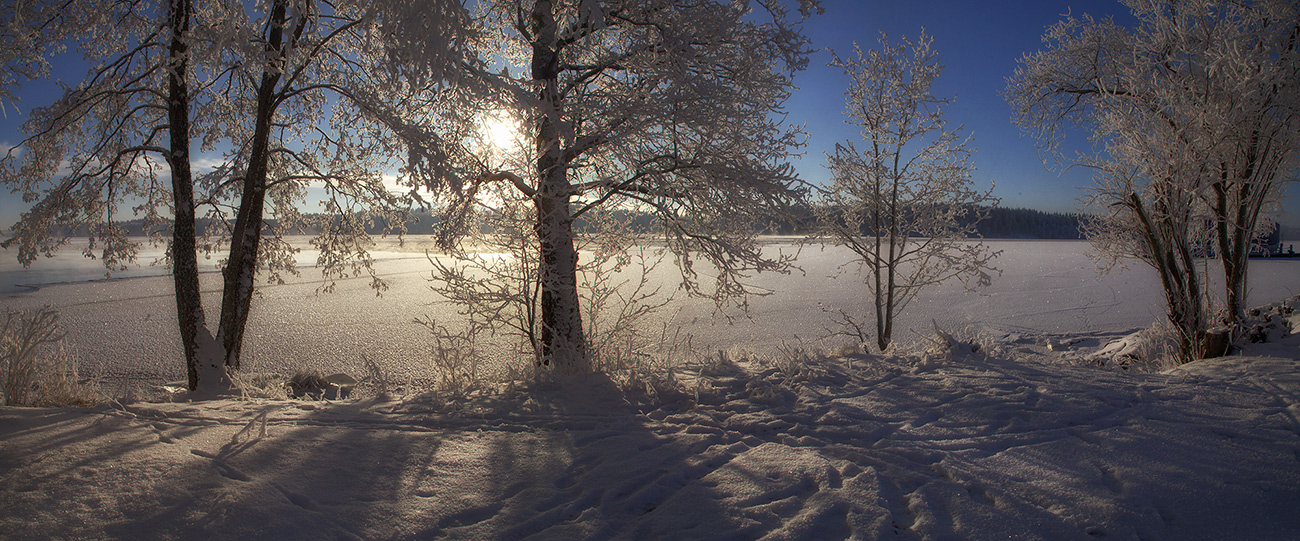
{"x": 978, "y": 41}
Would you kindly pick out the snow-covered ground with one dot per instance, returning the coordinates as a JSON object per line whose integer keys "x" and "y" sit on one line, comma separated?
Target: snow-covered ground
{"x": 968, "y": 447}
{"x": 1023, "y": 439}
{"x": 125, "y": 330}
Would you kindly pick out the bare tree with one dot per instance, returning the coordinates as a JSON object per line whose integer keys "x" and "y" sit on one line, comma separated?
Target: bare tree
{"x": 666, "y": 107}
{"x": 1194, "y": 113}
{"x": 904, "y": 203}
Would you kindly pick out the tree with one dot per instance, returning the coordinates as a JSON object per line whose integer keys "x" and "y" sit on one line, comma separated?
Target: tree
{"x": 904, "y": 204}
{"x": 1239, "y": 71}
{"x": 265, "y": 74}
{"x": 111, "y": 138}
{"x": 495, "y": 286}
{"x": 1194, "y": 113}
{"x": 303, "y": 64}
{"x": 667, "y": 107}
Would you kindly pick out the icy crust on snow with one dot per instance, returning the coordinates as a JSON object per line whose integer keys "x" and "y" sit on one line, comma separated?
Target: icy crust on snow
{"x": 863, "y": 447}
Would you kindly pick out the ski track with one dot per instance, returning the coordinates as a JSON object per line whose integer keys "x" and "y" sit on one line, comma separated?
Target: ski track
{"x": 858, "y": 447}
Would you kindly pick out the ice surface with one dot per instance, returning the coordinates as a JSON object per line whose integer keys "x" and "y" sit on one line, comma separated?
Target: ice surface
{"x": 126, "y": 329}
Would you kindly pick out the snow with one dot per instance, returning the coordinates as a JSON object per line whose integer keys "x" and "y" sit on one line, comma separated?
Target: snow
{"x": 1047, "y": 289}
{"x": 974, "y": 447}
{"x": 1024, "y": 437}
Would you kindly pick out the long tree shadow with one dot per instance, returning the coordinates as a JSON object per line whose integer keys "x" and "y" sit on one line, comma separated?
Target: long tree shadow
{"x": 563, "y": 462}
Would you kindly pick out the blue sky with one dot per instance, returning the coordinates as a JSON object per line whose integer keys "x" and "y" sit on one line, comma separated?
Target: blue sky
{"x": 979, "y": 42}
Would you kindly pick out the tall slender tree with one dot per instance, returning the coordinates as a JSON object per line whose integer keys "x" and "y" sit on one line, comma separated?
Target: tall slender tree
{"x": 110, "y": 140}
{"x": 904, "y": 203}
{"x": 335, "y": 95}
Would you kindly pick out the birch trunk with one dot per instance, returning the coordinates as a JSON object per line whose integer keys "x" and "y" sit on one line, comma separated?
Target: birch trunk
{"x": 185, "y": 266}
{"x": 241, "y": 267}
{"x": 563, "y": 345}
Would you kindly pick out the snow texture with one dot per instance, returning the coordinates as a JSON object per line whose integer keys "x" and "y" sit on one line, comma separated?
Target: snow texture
{"x": 969, "y": 447}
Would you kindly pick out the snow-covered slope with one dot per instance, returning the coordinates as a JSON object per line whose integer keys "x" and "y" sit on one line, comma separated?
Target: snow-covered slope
{"x": 866, "y": 447}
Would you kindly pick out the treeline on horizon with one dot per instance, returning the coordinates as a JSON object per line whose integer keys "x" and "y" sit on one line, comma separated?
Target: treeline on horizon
{"x": 1001, "y": 223}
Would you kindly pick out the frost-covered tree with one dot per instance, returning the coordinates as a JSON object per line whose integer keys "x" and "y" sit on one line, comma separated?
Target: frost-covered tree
{"x": 1235, "y": 84}
{"x": 299, "y": 95}
{"x": 334, "y": 96}
{"x": 111, "y": 140}
{"x": 1195, "y": 118}
{"x": 668, "y": 107}
{"x": 903, "y": 202}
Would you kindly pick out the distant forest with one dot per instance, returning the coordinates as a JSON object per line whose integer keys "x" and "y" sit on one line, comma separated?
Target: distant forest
{"x": 1002, "y": 223}
{"x": 1013, "y": 223}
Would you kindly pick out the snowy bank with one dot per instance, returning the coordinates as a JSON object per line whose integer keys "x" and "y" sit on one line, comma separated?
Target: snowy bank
{"x": 859, "y": 446}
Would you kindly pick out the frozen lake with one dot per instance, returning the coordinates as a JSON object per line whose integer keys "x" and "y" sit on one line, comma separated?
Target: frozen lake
{"x": 125, "y": 328}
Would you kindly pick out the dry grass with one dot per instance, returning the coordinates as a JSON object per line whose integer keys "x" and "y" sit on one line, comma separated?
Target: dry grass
{"x": 36, "y": 369}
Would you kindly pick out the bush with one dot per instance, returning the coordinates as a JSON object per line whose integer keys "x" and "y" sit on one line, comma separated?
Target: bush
{"x": 36, "y": 369}
{"x": 1154, "y": 349}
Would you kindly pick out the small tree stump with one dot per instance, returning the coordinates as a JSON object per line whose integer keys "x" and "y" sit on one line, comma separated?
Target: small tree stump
{"x": 1215, "y": 343}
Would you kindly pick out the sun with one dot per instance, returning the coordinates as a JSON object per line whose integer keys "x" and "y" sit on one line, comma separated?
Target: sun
{"x": 500, "y": 133}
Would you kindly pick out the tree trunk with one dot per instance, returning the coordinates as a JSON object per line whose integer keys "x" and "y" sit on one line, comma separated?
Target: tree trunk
{"x": 185, "y": 265}
{"x": 1166, "y": 241}
{"x": 563, "y": 346}
{"x": 883, "y": 334}
{"x": 1239, "y": 196}
{"x": 241, "y": 267}
{"x": 1250, "y": 197}
{"x": 563, "y": 343}
{"x": 892, "y": 262}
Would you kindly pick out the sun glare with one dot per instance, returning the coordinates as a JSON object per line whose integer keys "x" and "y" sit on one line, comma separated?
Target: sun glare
{"x": 500, "y": 133}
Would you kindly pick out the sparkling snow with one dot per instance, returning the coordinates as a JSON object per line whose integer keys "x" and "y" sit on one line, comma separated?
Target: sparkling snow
{"x": 861, "y": 447}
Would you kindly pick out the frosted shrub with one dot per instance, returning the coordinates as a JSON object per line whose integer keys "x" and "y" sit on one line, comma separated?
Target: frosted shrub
{"x": 1157, "y": 349}
{"x": 36, "y": 370}
{"x": 376, "y": 377}
{"x": 793, "y": 360}
{"x": 1154, "y": 349}
{"x": 618, "y": 295}
{"x": 947, "y": 346}
{"x": 259, "y": 385}
{"x": 649, "y": 364}
{"x": 60, "y": 384}
{"x": 496, "y": 287}
{"x": 455, "y": 355}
